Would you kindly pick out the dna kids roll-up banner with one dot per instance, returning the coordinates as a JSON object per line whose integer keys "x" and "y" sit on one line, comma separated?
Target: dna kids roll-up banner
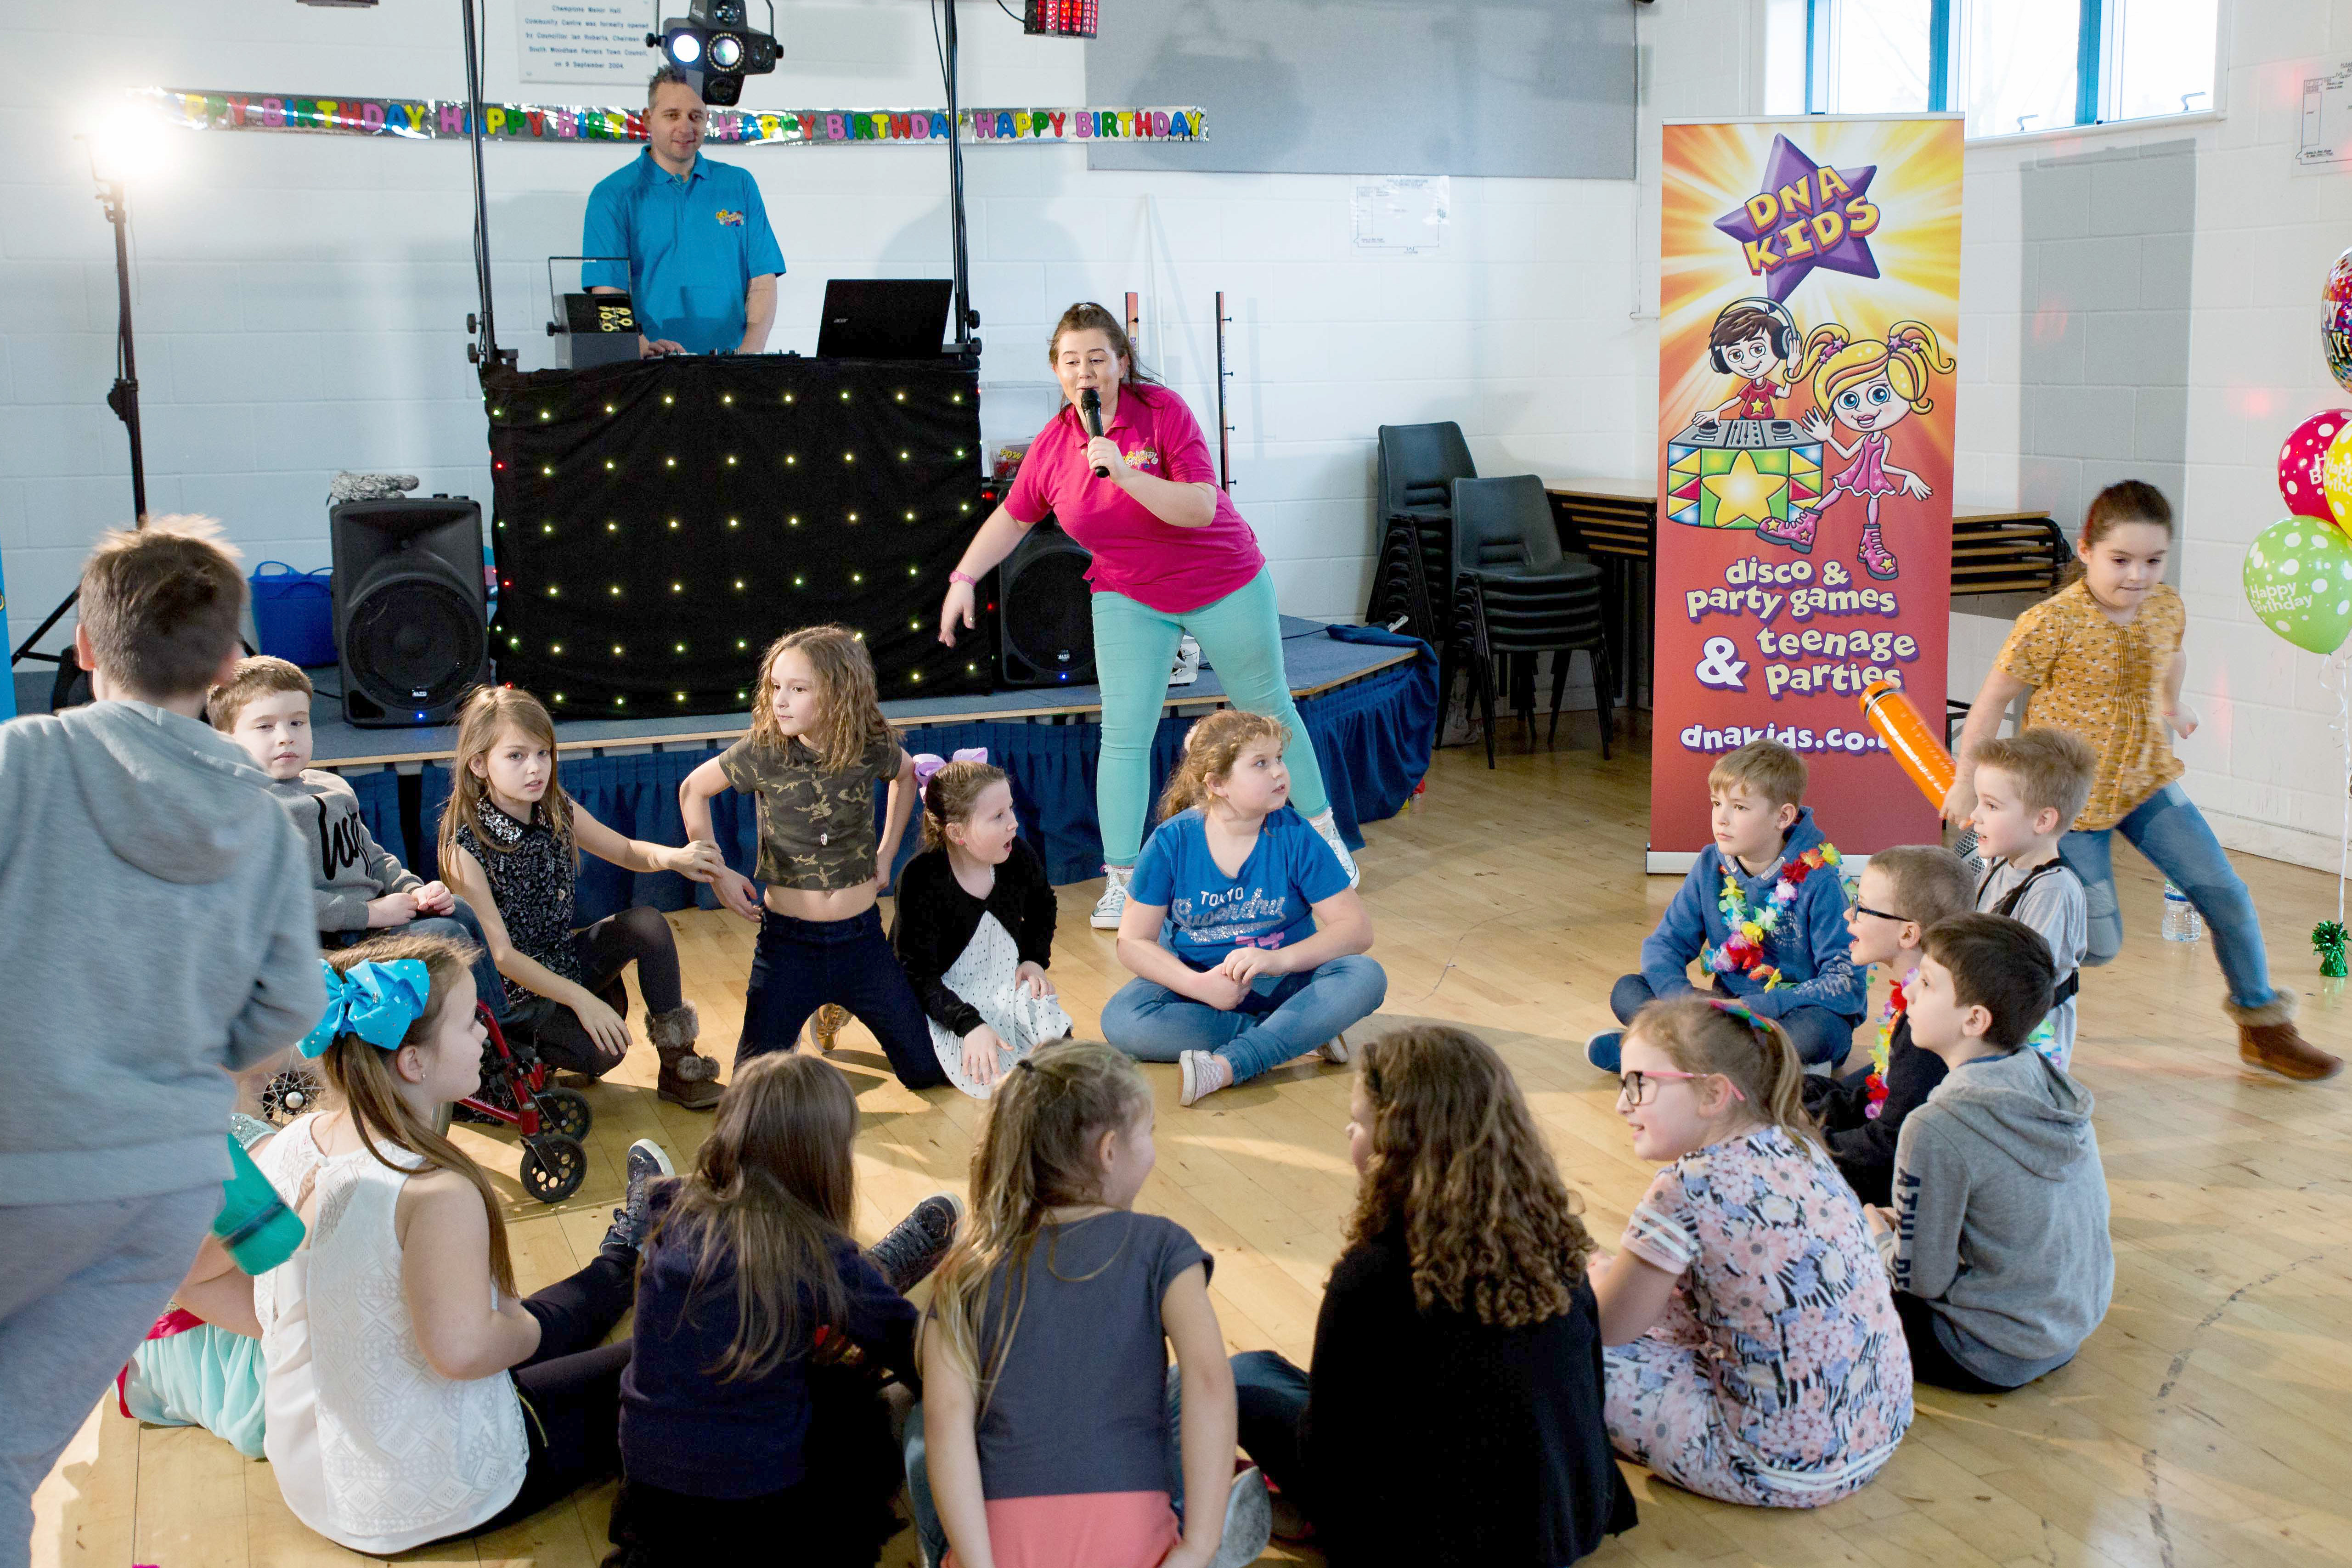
{"x": 1808, "y": 370}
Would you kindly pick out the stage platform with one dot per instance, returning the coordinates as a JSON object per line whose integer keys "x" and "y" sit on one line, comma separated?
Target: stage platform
{"x": 1368, "y": 698}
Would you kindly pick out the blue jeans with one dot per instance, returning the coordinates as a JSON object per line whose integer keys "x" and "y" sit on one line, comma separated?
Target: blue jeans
{"x": 933, "y": 1535}
{"x": 458, "y": 925}
{"x": 1822, "y": 1037}
{"x": 1241, "y": 635}
{"x": 799, "y": 966}
{"x": 1271, "y": 1394}
{"x": 2172, "y": 832}
{"x": 1283, "y": 1016}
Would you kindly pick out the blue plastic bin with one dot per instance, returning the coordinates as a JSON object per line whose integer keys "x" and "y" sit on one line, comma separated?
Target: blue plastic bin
{"x": 294, "y": 613}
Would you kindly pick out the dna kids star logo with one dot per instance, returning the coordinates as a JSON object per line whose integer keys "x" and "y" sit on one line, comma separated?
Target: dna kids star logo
{"x": 1804, "y": 215}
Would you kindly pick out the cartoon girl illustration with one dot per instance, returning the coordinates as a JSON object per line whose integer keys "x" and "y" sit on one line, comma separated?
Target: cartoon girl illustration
{"x": 1866, "y": 387}
{"x": 1756, "y": 340}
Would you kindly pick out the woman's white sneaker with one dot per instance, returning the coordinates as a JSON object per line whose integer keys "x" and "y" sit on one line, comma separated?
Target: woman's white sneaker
{"x": 1328, "y": 826}
{"x": 1113, "y": 902}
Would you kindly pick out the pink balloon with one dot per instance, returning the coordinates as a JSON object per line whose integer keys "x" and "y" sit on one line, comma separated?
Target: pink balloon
{"x": 2301, "y": 457}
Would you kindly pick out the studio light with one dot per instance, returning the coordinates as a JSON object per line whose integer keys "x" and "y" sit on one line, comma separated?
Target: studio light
{"x": 716, "y": 49}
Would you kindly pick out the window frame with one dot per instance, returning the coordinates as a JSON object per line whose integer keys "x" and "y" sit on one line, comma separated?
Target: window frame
{"x": 2098, "y": 65}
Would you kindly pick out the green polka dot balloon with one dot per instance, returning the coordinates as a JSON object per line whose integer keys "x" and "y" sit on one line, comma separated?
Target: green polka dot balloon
{"x": 2299, "y": 583}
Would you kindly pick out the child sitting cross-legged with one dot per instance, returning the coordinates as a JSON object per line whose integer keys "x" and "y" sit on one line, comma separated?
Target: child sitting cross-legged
{"x": 1753, "y": 1353}
{"x": 751, "y": 1411}
{"x": 1245, "y": 936}
{"x": 1760, "y": 872}
{"x": 1053, "y": 1432}
{"x": 1902, "y": 891}
{"x": 414, "y": 1393}
{"x": 358, "y": 885}
{"x": 2029, "y": 787}
{"x": 1998, "y": 1242}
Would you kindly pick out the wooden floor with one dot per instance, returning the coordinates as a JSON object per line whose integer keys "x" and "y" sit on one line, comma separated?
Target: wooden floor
{"x": 2207, "y": 1421}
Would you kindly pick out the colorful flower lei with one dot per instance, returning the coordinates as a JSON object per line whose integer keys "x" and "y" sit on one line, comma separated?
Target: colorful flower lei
{"x": 1897, "y": 1006}
{"x": 1743, "y": 952}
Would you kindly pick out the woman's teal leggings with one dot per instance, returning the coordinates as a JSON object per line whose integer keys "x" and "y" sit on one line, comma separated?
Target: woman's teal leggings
{"x": 1241, "y": 635}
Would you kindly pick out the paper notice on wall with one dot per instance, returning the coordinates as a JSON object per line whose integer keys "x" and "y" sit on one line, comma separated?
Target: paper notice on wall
{"x": 1399, "y": 212}
{"x": 583, "y": 40}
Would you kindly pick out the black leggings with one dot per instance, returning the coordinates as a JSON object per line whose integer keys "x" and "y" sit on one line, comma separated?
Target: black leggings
{"x": 570, "y": 1387}
{"x": 639, "y": 936}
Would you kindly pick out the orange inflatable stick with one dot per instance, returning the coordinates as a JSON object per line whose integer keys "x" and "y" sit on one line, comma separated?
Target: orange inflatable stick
{"x": 1907, "y": 735}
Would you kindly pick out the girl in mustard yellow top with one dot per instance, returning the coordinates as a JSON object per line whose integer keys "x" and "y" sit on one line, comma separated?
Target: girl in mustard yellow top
{"x": 2102, "y": 658}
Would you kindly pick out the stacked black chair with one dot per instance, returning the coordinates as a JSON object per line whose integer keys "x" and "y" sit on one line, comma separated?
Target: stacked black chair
{"x": 1418, "y": 466}
{"x": 1515, "y": 592}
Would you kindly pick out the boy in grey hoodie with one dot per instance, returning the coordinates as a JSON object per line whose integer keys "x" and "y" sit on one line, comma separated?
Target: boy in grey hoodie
{"x": 359, "y": 886}
{"x": 157, "y": 913}
{"x": 1997, "y": 1243}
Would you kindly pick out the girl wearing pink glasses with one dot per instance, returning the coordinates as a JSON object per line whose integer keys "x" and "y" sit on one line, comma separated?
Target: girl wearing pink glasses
{"x": 1753, "y": 1351}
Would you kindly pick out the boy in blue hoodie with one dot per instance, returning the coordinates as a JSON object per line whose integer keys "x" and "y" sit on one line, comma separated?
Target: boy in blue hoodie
{"x": 1768, "y": 863}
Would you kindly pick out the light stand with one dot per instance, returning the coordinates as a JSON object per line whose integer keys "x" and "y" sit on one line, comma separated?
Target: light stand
{"x": 123, "y": 398}
{"x": 484, "y": 350}
{"x": 966, "y": 318}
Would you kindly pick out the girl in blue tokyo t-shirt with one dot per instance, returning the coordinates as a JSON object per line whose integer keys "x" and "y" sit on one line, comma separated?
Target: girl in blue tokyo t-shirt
{"x": 1246, "y": 941}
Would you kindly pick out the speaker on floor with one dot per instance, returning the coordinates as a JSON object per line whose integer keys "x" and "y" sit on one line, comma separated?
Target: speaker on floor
{"x": 411, "y": 623}
{"x": 1046, "y": 619}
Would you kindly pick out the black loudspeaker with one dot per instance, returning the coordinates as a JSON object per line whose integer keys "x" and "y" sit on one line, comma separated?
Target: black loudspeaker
{"x": 1045, "y": 619}
{"x": 411, "y": 623}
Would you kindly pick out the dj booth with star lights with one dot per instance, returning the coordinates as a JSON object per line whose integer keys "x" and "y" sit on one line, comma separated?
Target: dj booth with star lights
{"x": 658, "y": 522}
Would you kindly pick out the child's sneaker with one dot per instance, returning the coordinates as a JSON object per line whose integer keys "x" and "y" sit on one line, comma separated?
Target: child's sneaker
{"x": 1606, "y": 1050}
{"x": 646, "y": 1160}
{"x": 1204, "y": 1073}
{"x": 1113, "y": 902}
{"x": 1328, "y": 826}
{"x": 913, "y": 1249}
{"x": 825, "y": 1024}
{"x": 1249, "y": 1520}
{"x": 1338, "y": 1050}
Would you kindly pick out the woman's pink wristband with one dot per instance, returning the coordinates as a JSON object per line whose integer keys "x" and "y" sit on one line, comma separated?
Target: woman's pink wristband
{"x": 962, "y": 576}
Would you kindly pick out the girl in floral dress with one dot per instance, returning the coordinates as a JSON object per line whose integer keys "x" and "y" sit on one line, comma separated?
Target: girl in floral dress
{"x": 1753, "y": 1351}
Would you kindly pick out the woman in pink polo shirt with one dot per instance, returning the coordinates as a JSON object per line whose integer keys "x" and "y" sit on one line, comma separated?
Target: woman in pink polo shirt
{"x": 1170, "y": 556}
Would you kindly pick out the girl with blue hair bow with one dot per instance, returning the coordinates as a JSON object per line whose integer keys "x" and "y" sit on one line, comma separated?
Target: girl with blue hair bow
{"x": 413, "y": 1393}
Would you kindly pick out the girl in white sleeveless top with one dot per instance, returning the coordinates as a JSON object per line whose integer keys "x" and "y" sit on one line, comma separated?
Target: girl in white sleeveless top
{"x": 413, "y": 1394}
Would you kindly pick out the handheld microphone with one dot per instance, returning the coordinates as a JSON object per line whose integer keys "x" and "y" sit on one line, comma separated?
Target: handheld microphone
{"x": 1090, "y": 405}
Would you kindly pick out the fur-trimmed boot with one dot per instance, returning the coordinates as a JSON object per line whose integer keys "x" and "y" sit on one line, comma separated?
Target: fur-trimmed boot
{"x": 686, "y": 1079}
{"x": 2267, "y": 1038}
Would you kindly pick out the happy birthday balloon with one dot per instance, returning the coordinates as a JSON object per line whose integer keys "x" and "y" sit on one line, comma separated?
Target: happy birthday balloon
{"x": 2298, "y": 579}
{"x": 2335, "y": 478}
{"x": 2302, "y": 459}
{"x": 2339, "y": 280}
{"x": 2336, "y": 340}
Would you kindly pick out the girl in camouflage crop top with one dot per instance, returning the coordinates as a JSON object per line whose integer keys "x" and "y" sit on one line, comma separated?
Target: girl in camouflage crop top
{"x": 818, "y": 746}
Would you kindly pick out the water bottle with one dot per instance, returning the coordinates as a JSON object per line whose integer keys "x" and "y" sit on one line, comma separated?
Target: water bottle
{"x": 2182, "y": 920}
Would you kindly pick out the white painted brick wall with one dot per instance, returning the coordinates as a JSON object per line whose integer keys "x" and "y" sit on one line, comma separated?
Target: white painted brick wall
{"x": 301, "y": 299}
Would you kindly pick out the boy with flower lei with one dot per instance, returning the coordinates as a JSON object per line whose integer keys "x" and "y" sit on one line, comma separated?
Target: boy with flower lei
{"x": 1901, "y": 893}
{"x": 1762, "y": 908}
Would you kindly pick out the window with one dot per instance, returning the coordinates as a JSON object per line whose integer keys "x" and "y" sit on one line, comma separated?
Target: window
{"x": 2163, "y": 57}
{"x": 2019, "y": 70}
{"x": 2014, "y": 65}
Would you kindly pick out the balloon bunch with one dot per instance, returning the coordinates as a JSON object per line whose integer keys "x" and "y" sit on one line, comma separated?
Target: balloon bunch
{"x": 2298, "y": 572}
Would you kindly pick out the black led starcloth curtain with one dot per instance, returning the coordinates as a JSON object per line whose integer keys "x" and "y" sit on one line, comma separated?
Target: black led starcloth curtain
{"x": 658, "y": 524}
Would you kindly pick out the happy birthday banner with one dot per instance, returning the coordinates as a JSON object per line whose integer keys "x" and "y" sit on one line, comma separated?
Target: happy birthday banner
{"x": 1807, "y": 379}
{"x": 429, "y": 119}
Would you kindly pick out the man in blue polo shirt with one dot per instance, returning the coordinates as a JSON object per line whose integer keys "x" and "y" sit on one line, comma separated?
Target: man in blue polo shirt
{"x": 702, "y": 265}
